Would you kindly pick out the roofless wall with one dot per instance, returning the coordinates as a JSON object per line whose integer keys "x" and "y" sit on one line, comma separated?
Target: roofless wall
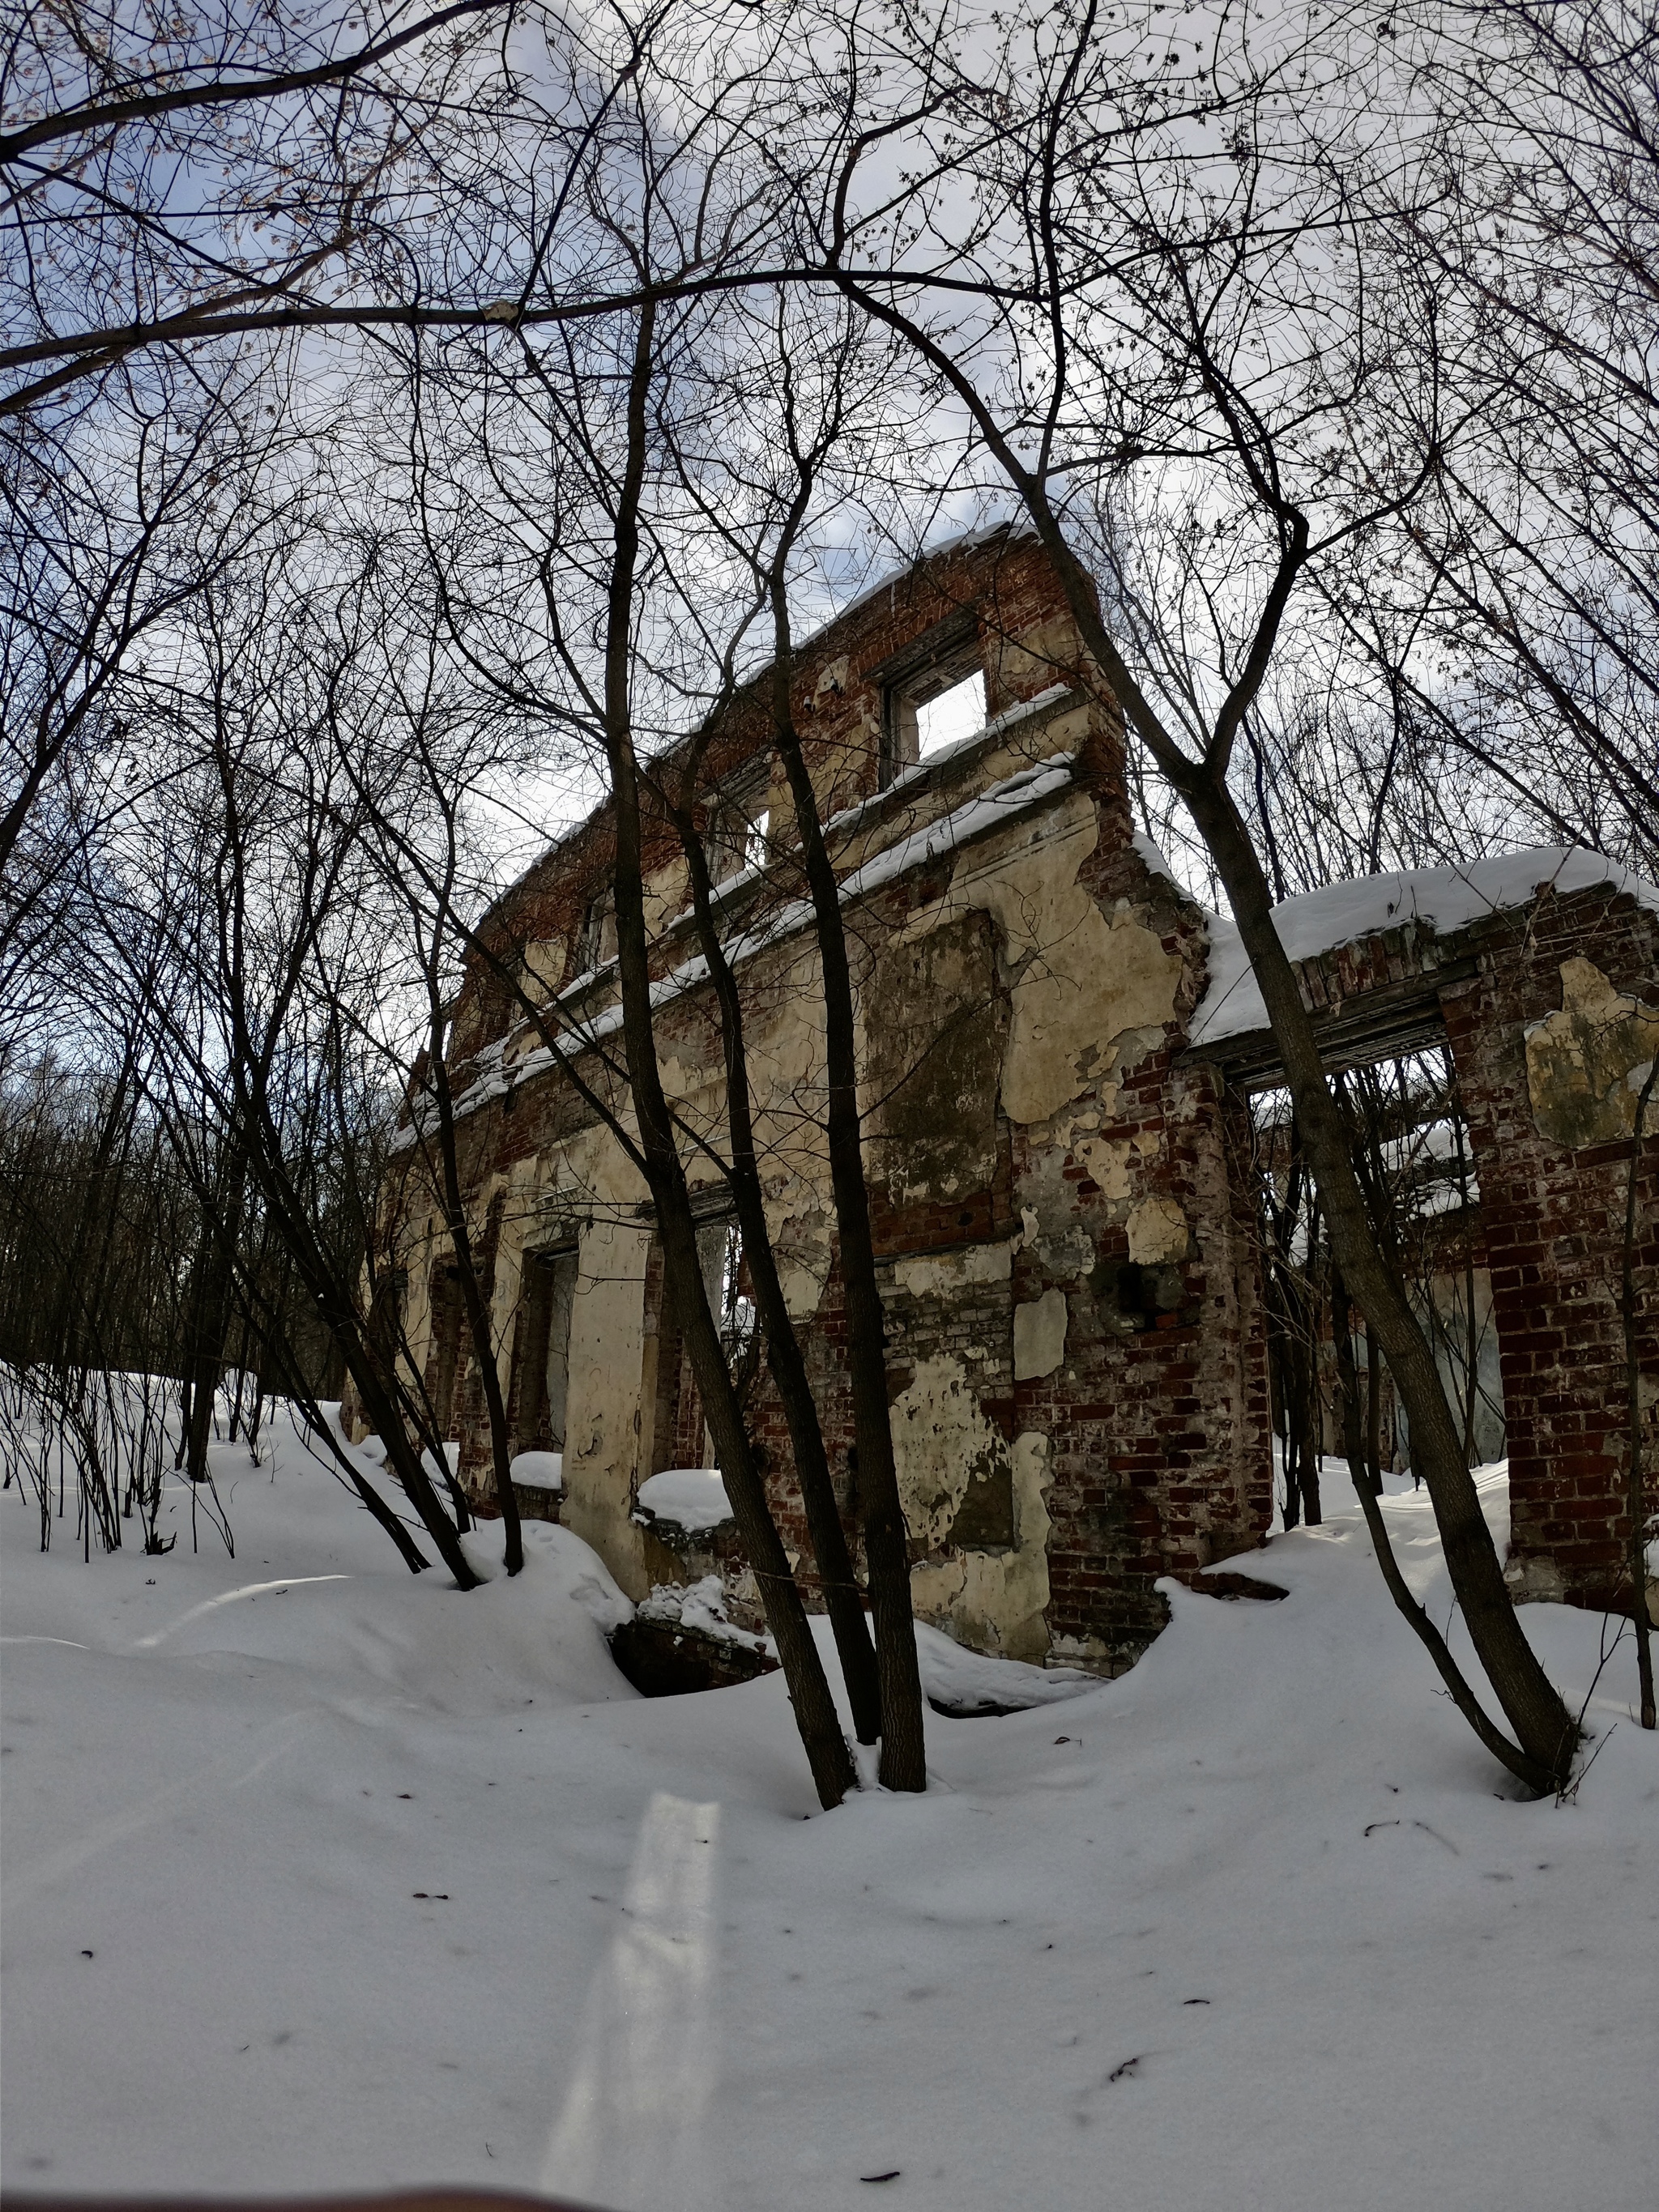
{"x": 1066, "y": 1234}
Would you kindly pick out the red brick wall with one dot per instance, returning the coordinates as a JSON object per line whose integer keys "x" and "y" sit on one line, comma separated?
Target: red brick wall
{"x": 1554, "y": 1222}
{"x": 1161, "y": 1436}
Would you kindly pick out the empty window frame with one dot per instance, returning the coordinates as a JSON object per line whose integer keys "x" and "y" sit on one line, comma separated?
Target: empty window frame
{"x": 679, "y": 1436}
{"x": 950, "y": 715}
{"x": 740, "y": 830}
{"x": 933, "y": 693}
{"x": 597, "y": 942}
{"x": 445, "y": 1358}
{"x": 720, "y": 1254}
{"x": 549, "y": 1296}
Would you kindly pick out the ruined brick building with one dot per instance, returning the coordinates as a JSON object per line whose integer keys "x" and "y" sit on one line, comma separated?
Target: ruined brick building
{"x": 1057, "y": 1043}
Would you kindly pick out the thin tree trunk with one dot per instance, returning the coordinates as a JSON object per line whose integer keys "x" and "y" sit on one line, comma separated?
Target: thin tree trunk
{"x": 472, "y": 1300}
{"x": 815, "y": 1713}
{"x": 1638, "y": 1488}
{"x": 1373, "y": 1411}
{"x": 336, "y": 1311}
{"x": 842, "y": 1599}
{"x": 210, "y": 1314}
{"x": 1290, "y": 1510}
{"x": 1313, "y": 1512}
{"x": 1507, "y": 1753}
{"x": 273, "y": 1345}
{"x": 886, "y": 1539}
{"x": 1471, "y": 1334}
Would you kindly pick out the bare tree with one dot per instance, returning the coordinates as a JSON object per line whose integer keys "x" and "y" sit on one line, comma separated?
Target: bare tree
{"x": 590, "y": 681}
{"x": 573, "y": 628}
{"x": 295, "y": 136}
{"x": 1199, "y": 317}
{"x": 108, "y": 533}
{"x": 272, "y": 957}
{"x": 1512, "y": 607}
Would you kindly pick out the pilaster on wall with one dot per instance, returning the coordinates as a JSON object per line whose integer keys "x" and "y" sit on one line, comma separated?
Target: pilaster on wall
{"x": 1551, "y": 1041}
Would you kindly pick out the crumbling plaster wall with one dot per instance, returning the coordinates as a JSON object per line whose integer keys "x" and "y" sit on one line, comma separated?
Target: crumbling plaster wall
{"x": 1080, "y": 983}
{"x": 1088, "y": 991}
{"x": 1030, "y": 1137}
{"x": 1057, "y": 1451}
{"x": 1013, "y": 1370}
{"x": 1588, "y": 1061}
{"x": 1157, "y": 1408}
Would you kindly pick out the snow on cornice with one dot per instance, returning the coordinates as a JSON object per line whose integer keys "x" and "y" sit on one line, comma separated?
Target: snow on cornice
{"x": 1000, "y": 725}
{"x": 848, "y": 820}
{"x": 1000, "y": 803}
{"x": 1016, "y": 531}
{"x": 1340, "y": 913}
{"x": 1004, "y": 802}
{"x": 846, "y": 823}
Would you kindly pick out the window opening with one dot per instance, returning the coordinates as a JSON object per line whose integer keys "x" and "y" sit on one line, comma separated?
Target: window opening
{"x": 447, "y": 1338}
{"x": 933, "y": 693}
{"x": 720, "y": 1254}
{"x": 1411, "y": 1144}
{"x": 544, "y": 1384}
{"x": 679, "y": 1432}
{"x": 599, "y": 939}
{"x": 739, "y": 832}
{"x": 726, "y": 1285}
{"x": 952, "y": 715}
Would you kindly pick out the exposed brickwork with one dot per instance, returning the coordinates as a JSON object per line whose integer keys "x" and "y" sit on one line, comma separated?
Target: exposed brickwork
{"x": 1159, "y": 1417}
{"x": 1120, "y": 1202}
{"x": 1554, "y": 1221}
{"x": 1155, "y": 1419}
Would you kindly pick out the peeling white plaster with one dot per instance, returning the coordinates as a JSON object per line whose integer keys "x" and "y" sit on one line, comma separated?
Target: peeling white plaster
{"x": 1157, "y": 1232}
{"x": 996, "y": 1601}
{"x": 1586, "y": 1065}
{"x": 1107, "y": 1159}
{"x": 1077, "y": 982}
{"x": 931, "y": 1272}
{"x": 940, "y": 1440}
{"x": 1040, "y": 1336}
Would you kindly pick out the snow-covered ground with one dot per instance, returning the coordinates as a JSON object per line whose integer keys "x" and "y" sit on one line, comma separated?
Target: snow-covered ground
{"x": 320, "y": 1875}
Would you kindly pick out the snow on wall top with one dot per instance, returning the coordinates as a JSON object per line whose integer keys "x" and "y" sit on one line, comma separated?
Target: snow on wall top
{"x": 1000, "y": 803}
{"x": 1339, "y": 914}
{"x": 537, "y": 1470}
{"x": 693, "y": 1497}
